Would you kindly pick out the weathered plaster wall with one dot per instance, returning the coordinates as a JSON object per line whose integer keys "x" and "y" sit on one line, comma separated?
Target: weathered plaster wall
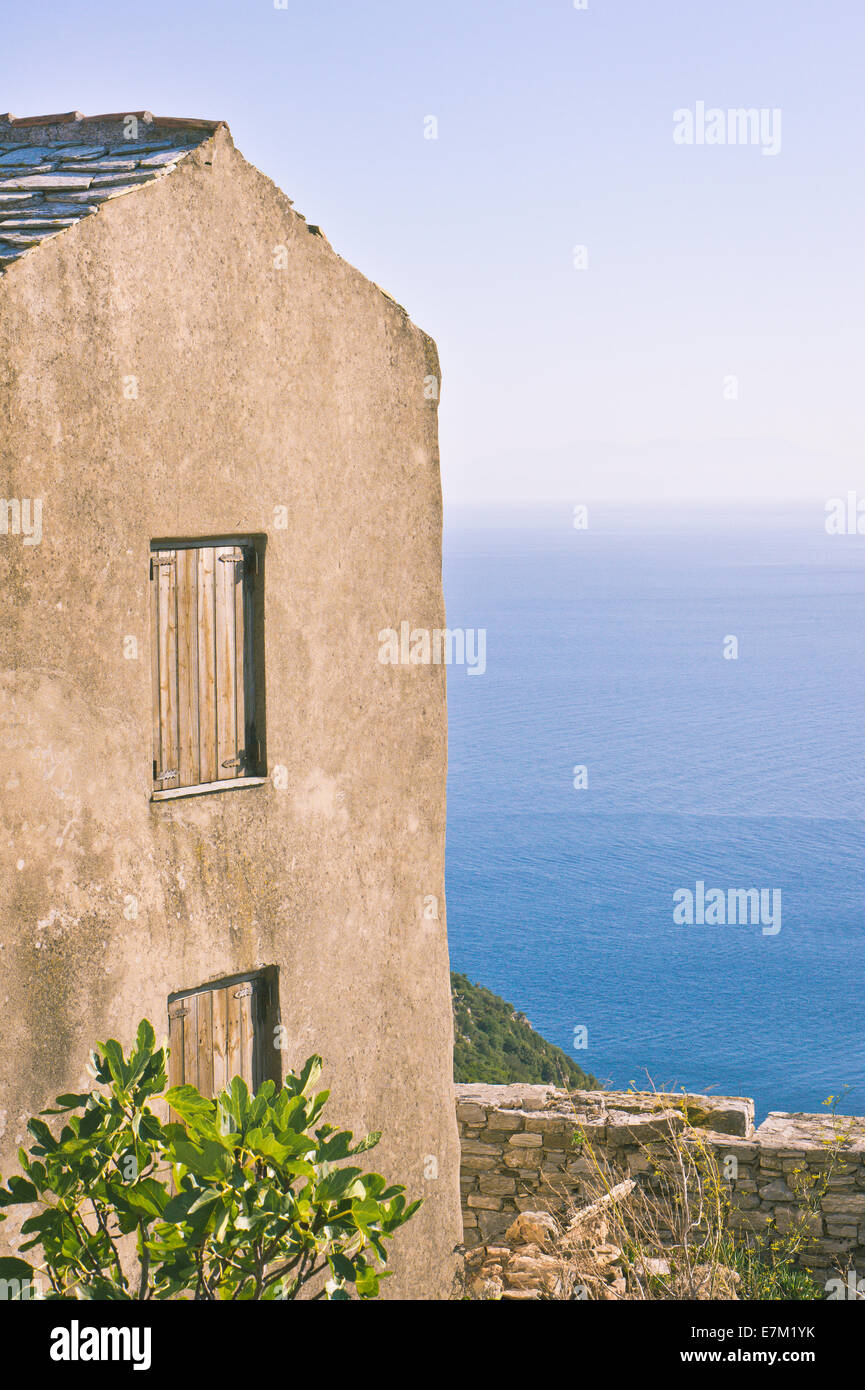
{"x": 257, "y": 388}
{"x": 519, "y": 1153}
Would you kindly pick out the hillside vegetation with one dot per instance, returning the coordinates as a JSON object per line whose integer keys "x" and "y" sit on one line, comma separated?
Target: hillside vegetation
{"x": 495, "y": 1043}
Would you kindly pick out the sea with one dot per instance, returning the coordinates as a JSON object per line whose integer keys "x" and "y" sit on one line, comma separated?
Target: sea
{"x": 619, "y": 750}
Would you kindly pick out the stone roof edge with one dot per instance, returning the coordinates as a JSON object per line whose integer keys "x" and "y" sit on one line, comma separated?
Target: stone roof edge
{"x": 78, "y": 118}
{"x": 72, "y": 127}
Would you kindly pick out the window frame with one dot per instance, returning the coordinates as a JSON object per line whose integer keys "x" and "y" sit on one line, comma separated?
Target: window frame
{"x": 252, "y": 662}
{"x": 265, "y": 1058}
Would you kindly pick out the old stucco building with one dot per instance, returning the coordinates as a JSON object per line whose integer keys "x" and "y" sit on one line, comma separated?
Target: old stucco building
{"x": 220, "y": 481}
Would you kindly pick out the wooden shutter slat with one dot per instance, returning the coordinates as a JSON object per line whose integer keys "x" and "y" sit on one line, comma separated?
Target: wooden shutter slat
{"x": 175, "y": 1043}
{"x": 190, "y": 1040}
{"x": 167, "y": 641}
{"x": 226, "y": 657}
{"x": 207, "y": 665}
{"x": 247, "y": 1033}
{"x": 233, "y": 1049}
{"x": 221, "y": 1077}
{"x": 187, "y": 667}
{"x": 205, "y": 1042}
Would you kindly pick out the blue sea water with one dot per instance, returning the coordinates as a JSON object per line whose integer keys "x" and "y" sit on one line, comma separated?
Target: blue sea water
{"x": 605, "y": 649}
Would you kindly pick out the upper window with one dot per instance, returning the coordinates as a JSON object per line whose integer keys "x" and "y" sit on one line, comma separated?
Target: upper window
{"x": 203, "y": 658}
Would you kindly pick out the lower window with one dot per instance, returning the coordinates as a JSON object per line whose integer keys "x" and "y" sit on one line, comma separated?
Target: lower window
{"x": 225, "y": 1029}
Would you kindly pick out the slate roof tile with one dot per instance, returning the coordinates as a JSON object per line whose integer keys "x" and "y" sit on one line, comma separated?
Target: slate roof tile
{"x": 38, "y": 208}
{"x": 51, "y": 175}
{"x": 19, "y": 224}
{"x": 27, "y": 238}
{"x": 54, "y": 182}
{"x": 110, "y": 163}
{"x": 24, "y": 157}
{"x": 131, "y": 175}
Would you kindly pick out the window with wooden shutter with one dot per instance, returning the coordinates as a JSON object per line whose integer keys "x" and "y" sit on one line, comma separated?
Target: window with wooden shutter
{"x": 202, "y": 608}
{"x": 223, "y": 1030}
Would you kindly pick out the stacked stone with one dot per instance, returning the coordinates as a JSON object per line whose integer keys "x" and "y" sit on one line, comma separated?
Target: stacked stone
{"x": 519, "y": 1155}
{"x": 523, "y": 1266}
{"x": 804, "y": 1172}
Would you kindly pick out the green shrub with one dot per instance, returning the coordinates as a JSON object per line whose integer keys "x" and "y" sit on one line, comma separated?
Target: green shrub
{"x": 243, "y": 1197}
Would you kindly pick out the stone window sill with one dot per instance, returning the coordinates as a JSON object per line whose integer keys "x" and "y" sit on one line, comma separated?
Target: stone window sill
{"x": 229, "y": 785}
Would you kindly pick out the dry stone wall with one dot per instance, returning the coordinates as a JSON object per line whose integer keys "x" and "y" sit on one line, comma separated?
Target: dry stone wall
{"x": 519, "y": 1154}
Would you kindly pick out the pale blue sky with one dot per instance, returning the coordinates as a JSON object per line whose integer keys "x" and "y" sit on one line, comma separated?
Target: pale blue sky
{"x": 554, "y": 129}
